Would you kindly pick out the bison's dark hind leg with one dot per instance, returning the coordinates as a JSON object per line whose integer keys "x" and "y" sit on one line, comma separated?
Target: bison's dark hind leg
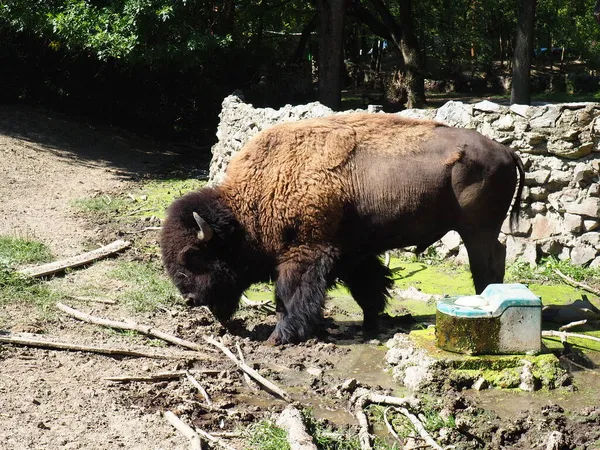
{"x": 369, "y": 282}
{"x": 487, "y": 258}
{"x": 302, "y": 281}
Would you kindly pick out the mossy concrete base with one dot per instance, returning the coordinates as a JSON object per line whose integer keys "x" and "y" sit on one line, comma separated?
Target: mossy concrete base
{"x": 417, "y": 355}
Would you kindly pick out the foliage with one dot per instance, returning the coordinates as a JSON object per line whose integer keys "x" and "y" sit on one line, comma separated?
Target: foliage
{"x": 265, "y": 435}
{"x": 522, "y": 271}
{"x": 151, "y": 199}
{"x": 164, "y": 66}
{"x": 146, "y": 285}
{"x": 17, "y": 287}
{"x": 15, "y": 250}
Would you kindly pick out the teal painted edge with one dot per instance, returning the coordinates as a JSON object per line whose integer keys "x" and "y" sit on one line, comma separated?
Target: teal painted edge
{"x": 447, "y": 306}
{"x": 515, "y": 295}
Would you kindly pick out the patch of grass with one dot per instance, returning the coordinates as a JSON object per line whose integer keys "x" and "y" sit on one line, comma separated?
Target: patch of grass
{"x": 265, "y": 435}
{"x": 521, "y": 271}
{"x": 18, "y": 288}
{"x": 430, "y": 418}
{"x": 151, "y": 199}
{"x": 15, "y": 287}
{"x": 432, "y": 278}
{"x": 154, "y": 197}
{"x": 15, "y": 251}
{"x": 147, "y": 286}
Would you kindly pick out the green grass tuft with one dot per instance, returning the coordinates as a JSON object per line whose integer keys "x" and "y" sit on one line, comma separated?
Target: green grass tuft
{"x": 265, "y": 435}
{"x": 151, "y": 199}
{"x": 15, "y": 287}
{"x": 147, "y": 285}
{"x": 15, "y": 251}
{"x": 521, "y": 271}
{"x": 18, "y": 288}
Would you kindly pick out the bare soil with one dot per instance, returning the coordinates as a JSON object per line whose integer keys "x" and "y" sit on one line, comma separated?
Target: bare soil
{"x": 58, "y": 399}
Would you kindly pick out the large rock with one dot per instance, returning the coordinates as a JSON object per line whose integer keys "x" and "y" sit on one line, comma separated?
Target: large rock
{"x": 537, "y": 177}
{"x": 546, "y": 226}
{"x": 455, "y": 114}
{"x": 589, "y": 207}
{"x": 452, "y": 241}
{"x": 572, "y": 223}
{"x": 582, "y": 254}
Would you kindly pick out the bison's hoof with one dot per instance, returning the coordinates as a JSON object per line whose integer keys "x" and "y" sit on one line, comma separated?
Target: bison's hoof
{"x": 274, "y": 339}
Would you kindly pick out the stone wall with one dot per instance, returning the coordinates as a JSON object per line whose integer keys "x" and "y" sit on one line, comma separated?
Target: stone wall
{"x": 559, "y": 145}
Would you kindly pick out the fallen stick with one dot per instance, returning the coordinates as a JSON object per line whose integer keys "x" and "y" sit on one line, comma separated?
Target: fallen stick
{"x": 575, "y": 283}
{"x": 161, "y": 376}
{"x": 186, "y": 430}
{"x": 389, "y": 426}
{"x": 572, "y": 325}
{"x": 55, "y": 345}
{"x": 563, "y": 335}
{"x": 75, "y": 261}
{"x": 249, "y": 382}
{"x": 269, "y": 386}
{"x": 198, "y": 386}
{"x": 361, "y": 398}
{"x": 420, "y": 428}
{"x": 215, "y": 440}
{"x": 291, "y": 421}
{"x": 143, "y": 329}
{"x": 364, "y": 436}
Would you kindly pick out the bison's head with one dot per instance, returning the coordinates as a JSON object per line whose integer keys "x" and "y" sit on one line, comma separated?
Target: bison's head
{"x": 202, "y": 250}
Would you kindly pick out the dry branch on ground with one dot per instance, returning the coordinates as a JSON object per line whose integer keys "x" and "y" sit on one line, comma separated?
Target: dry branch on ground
{"x": 563, "y": 335}
{"x": 290, "y": 420}
{"x": 269, "y": 386}
{"x": 75, "y": 261}
{"x": 362, "y": 398}
{"x": 162, "y": 376}
{"x": 145, "y": 329}
{"x": 56, "y": 345}
{"x": 573, "y": 325}
{"x": 140, "y": 328}
{"x": 186, "y": 430}
{"x": 577, "y": 284}
{"x": 199, "y": 387}
{"x": 247, "y": 378}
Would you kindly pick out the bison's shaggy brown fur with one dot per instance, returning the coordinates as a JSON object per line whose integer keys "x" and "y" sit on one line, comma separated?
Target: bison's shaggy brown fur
{"x": 309, "y": 202}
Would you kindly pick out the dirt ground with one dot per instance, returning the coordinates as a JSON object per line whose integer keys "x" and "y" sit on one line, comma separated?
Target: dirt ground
{"x": 58, "y": 399}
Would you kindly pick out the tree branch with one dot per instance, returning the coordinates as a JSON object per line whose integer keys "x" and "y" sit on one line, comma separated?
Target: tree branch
{"x": 144, "y": 329}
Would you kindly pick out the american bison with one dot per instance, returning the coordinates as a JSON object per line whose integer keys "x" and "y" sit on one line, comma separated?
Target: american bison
{"x": 313, "y": 202}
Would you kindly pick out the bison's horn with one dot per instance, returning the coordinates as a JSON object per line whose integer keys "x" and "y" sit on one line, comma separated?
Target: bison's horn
{"x": 206, "y": 232}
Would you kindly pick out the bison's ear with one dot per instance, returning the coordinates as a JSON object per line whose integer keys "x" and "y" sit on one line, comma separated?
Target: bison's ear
{"x": 205, "y": 233}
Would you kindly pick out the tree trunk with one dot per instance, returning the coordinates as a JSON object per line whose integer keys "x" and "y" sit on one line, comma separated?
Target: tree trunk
{"x": 331, "y": 29}
{"x": 521, "y": 92}
{"x": 304, "y": 38}
{"x": 409, "y": 44}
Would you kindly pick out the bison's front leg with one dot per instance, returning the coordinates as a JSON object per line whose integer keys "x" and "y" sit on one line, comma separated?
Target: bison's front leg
{"x": 302, "y": 280}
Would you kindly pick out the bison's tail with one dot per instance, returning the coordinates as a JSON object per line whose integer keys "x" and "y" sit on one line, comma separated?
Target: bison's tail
{"x": 516, "y": 207}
